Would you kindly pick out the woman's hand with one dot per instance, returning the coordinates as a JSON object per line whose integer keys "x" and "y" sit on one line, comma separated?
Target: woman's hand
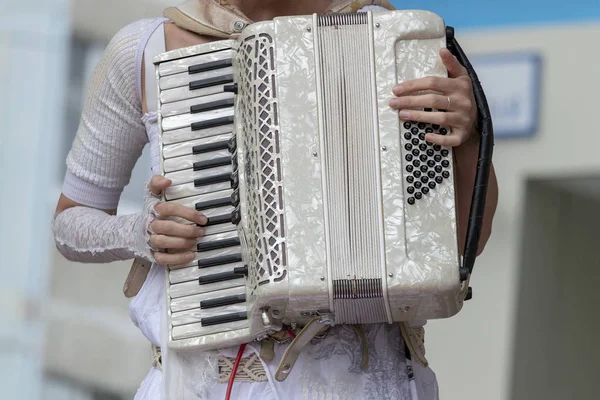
{"x": 175, "y": 241}
{"x": 455, "y": 97}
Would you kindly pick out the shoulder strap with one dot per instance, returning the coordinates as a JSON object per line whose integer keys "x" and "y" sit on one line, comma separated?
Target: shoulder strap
{"x": 219, "y": 19}
{"x": 154, "y": 46}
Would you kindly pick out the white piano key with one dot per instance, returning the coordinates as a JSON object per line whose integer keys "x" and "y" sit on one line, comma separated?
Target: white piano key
{"x": 195, "y": 330}
{"x": 187, "y": 162}
{"x": 182, "y": 107}
{"x": 184, "y": 93}
{"x": 185, "y": 120}
{"x": 217, "y": 238}
{"x": 194, "y": 273}
{"x": 191, "y": 302}
{"x": 182, "y": 64}
{"x": 174, "y": 192}
{"x": 187, "y": 148}
{"x": 208, "y": 255}
{"x": 194, "y": 287}
{"x": 195, "y": 316}
{"x": 183, "y": 79}
{"x": 187, "y": 134}
{"x": 221, "y": 228}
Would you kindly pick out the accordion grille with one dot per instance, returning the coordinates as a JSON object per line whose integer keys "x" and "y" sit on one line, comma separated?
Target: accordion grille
{"x": 265, "y": 230}
{"x": 350, "y": 159}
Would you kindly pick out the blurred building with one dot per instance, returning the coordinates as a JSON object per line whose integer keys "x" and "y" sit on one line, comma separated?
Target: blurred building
{"x": 528, "y": 332}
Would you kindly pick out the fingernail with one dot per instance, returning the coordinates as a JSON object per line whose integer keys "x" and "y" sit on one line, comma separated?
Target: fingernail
{"x": 190, "y": 256}
{"x": 202, "y": 220}
{"x": 405, "y": 114}
{"x": 397, "y": 89}
{"x": 199, "y": 232}
{"x": 394, "y": 103}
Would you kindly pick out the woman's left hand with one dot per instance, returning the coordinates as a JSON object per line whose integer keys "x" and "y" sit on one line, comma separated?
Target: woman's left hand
{"x": 454, "y": 95}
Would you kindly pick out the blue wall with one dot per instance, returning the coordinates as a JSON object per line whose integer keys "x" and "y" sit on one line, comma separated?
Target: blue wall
{"x": 493, "y": 13}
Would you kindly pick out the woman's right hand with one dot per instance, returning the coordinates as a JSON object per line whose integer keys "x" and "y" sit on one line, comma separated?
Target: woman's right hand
{"x": 175, "y": 240}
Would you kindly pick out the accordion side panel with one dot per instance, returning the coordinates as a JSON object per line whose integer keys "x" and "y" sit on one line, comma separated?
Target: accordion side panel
{"x": 418, "y": 196}
{"x": 302, "y": 171}
{"x": 261, "y": 173}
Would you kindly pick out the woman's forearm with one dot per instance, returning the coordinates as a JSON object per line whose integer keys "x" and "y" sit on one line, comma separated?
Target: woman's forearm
{"x": 89, "y": 235}
{"x": 466, "y": 157}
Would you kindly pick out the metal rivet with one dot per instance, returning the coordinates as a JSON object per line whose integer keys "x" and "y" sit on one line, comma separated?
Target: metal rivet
{"x": 238, "y": 26}
{"x": 377, "y": 25}
{"x": 390, "y": 274}
{"x": 315, "y": 154}
{"x": 309, "y": 29}
{"x": 384, "y": 148}
{"x": 322, "y": 278}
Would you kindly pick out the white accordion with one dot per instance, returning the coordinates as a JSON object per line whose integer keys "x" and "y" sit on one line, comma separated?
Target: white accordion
{"x": 322, "y": 204}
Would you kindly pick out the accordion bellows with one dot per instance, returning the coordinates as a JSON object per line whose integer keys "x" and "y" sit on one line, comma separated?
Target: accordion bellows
{"x": 321, "y": 201}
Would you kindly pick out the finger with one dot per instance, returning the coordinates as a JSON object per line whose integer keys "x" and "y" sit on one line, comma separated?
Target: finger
{"x": 180, "y": 251}
{"x": 173, "y": 259}
{"x": 420, "y": 101}
{"x": 449, "y": 119}
{"x": 158, "y": 183}
{"x": 171, "y": 228}
{"x": 435, "y": 83}
{"x": 452, "y": 140}
{"x": 178, "y": 210}
{"x": 455, "y": 69}
{"x": 169, "y": 242}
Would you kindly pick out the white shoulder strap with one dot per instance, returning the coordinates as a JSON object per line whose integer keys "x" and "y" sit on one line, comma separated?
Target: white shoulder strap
{"x": 154, "y": 47}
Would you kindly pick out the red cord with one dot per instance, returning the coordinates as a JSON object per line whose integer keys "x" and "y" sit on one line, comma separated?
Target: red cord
{"x": 291, "y": 333}
{"x": 238, "y": 359}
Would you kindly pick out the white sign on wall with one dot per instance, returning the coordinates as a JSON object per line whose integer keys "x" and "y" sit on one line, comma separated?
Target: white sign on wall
{"x": 511, "y": 83}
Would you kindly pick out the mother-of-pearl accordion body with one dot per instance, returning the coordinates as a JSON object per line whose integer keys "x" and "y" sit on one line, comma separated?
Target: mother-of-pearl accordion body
{"x": 321, "y": 201}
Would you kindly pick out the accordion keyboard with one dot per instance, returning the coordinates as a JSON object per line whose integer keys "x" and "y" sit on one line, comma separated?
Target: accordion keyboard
{"x": 208, "y": 295}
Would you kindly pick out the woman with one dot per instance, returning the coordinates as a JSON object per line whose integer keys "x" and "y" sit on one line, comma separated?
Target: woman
{"x": 115, "y": 126}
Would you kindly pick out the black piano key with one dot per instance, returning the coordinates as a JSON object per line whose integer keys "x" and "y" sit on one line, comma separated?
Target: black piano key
{"x": 234, "y": 162}
{"x": 209, "y": 180}
{"x": 209, "y": 66}
{"x": 196, "y": 126}
{"x": 218, "y": 244}
{"x": 235, "y": 198}
{"x": 217, "y": 162}
{"x": 241, "y": 270}
{"x": 217, "y": 80}
{"x": 223, "y": 301}
{"x": 218, "y": 220}
{"x": 232, "y": 145}
{"x": 222, "y": 277}
{"x": 236, "y": 216}
{"x": 215, "y": 105}
{"x": 205, "y": 148}
{"x": 216, "y": 261}
{"x": 223, "y": 319}
{"x": 235, "y": 181}
{"x": 206, "y": 205}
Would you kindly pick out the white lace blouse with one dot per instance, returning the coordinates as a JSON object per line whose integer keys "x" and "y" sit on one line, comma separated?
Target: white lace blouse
{"x": 109, "y": 141}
